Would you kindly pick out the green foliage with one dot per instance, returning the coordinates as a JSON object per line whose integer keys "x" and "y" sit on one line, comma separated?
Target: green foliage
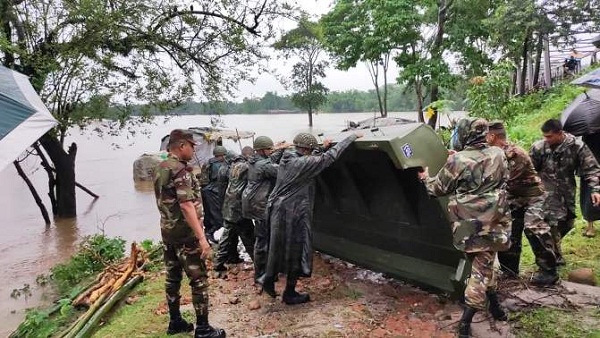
{"x": 43, "y": 324}
{"x": 489, "y": 96}
{"x": 93, "y": 255}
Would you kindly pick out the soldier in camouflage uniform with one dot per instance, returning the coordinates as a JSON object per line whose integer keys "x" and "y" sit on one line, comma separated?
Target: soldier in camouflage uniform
{"x": 557, "y": 158}
{"x": 526, "y": 196}
{"x": 185, "y": 245}
{"x": 262, "y": 173}
{"x": 214, "y": 183}
{"x": 289, "y": 213}
{"x": 234, "y": 224}
{"x": 474, "y": 179}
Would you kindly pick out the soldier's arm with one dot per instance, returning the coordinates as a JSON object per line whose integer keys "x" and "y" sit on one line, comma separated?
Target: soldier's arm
{"x": 536, "y": 157}
{"x": 446, "y": 180}
{"x": 268, "y": 170}
{"x": 590, "y": 168}
{"x": 313, "y": 165}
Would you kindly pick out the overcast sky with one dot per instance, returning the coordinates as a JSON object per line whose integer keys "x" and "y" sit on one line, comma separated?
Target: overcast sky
{"x": 336, "y": 80}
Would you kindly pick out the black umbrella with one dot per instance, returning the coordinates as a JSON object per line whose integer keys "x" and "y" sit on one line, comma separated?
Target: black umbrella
{"x": 582, "y": 116}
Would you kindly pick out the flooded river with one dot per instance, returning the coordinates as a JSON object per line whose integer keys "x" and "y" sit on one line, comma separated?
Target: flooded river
{"x": 28, "y": 248}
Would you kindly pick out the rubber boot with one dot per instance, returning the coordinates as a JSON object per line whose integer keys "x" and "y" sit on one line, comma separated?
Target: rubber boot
{"x": 464, "y": 325}
{"x": 268, "y": 286}
{"x": 290, "y": 296}
{"x": 545, "y": 278}
{"x": 495, "y": 308}
{"x": 176, "y": 323}
{"x": 203, "y": 330}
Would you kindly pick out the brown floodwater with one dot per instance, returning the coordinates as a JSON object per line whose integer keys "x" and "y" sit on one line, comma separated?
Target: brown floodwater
{"x": 29, "y": 248}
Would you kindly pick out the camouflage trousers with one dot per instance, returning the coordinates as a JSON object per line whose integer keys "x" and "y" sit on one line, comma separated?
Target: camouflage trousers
{"x": 186, "y": 257}
{"x": 244, "y": 229}
{"x": 261, "y": 249}
{"x": 482, "y": 279}
{"x": 528, "y": 216}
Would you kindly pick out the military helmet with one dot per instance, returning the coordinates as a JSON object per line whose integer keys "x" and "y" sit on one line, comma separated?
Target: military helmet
{"x": 263, "y": 142}
{"x": 219, "y": 150}
{"x": 305, "y": 140}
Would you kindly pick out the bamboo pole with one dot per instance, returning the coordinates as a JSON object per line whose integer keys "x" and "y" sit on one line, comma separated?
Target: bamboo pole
{"x": 82, "y": 320}
{"x": 86, "y": 331}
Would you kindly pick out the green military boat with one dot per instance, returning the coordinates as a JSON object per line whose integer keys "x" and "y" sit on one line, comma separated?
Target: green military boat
{"x": 371, "y": 209}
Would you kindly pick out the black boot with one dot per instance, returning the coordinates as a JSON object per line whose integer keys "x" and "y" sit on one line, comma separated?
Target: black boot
{"x": 203, "y": 330}
{"x": 268, "y": 286}
{"x": 545, "y": 278}
{"x": 464, "y": 326}
{"x": 495, "y": 308}
{"x": 177, "y": 324}
{"x": 290, "y": 296}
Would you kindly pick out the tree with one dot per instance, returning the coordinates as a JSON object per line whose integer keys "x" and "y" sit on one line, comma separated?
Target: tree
{"x": 370, "y": 31}
{"x": 305, "y": 44}
{"x": 86, "y": 56}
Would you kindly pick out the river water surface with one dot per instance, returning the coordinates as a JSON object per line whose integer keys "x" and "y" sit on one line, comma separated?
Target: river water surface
{"x": 28, "y": 248}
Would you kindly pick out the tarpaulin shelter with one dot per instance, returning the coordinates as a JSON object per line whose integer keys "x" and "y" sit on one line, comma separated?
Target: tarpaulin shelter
{"x": 23, "y": 116}
{"x": 591, "y": 79}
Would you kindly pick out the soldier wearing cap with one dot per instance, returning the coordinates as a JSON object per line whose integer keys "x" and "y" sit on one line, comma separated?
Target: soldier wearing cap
{"x": 215, "y": 175}
{"x": 185, "y": 245}
{"x": 526, "y": 196}
{"x": 289, "y": 213}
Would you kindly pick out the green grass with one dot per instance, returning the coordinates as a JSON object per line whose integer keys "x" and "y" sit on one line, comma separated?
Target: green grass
{"x": 139, "y": 319}
{"x": 543, "y": 323}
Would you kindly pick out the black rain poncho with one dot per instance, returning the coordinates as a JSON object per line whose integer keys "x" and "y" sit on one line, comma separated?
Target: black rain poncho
{"x": 290, "y": 210}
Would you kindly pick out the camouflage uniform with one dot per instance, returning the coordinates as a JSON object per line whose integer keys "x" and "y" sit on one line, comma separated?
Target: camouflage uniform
{"x": 234, "y": 224}
{"x": 557, "y": 167}
{"x": 474, "y": 179}
{"x": 526, "y": 197}
{"x": 173, "y": 184}
{"x": 262, "y": 174}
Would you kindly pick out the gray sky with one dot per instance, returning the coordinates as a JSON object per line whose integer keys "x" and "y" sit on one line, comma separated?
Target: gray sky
{"x": 336, "y": 80}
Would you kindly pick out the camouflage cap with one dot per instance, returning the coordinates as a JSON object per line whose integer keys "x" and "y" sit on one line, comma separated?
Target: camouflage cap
{"x": 263, "y": 142}
{"x": 305, "y": 140}
{"x": 179, "y": 135}
{"x": 219, "y": 150}
{"x": 469, "y": 132}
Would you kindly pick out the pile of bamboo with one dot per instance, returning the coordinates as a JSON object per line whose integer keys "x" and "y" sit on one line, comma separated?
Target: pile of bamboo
{"x": 110, "y": 286}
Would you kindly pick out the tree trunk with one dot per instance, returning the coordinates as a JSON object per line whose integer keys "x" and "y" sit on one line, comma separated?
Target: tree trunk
{"x": 36, "y": 196}
{"x": 64, "y": 163}
{"x": 51, "y": 178}
{"x": 539, "y": 48}
{"x": 419, "y": 93}
{"x": 373, "y": 67}
{"x": 524, "y": 65}
{"x": 436, "y": 53}
{"x": 385, "y": 89}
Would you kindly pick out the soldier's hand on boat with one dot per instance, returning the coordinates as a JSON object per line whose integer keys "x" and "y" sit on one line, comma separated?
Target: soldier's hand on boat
{"x": 327, "y": 143}
{"x": 205, "y": 248}
{"x": 282, "y": 145}
{"x": 424, "y": 173}
{"x": 596, "y": 199}
{"x": 358, "y": 134}
{"x": 451, "y": 152}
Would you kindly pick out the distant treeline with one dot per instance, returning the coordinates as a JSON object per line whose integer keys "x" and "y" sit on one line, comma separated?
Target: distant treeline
{"x": 348, "y": 101}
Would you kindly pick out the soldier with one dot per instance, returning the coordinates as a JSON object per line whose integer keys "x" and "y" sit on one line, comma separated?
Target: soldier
{"x": 526, "y": 198}
{"x": 215, "y": 174}
{"x": 185, "y": 245}
{"x": 289, "y": 212}
{"x": 474, "y": 179}
{"x": 262, "y": 173}
{"x": 588, "y": 211}
{"x": 234, "y": 224}
{"x": 557, "y": 158}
